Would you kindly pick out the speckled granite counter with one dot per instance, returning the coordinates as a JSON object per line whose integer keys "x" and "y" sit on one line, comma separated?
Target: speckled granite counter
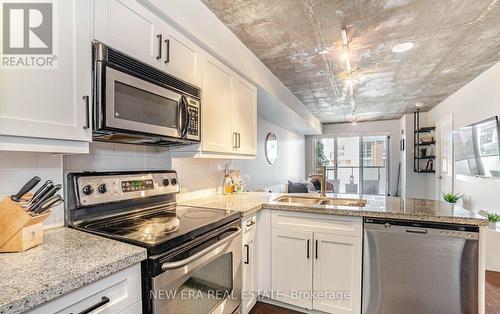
{"x": 68, "y": 259}
{"x": 377, "y": 206}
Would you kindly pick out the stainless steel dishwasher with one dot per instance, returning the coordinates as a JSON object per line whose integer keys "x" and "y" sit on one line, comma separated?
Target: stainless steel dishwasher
{"x": 415, "y": 267}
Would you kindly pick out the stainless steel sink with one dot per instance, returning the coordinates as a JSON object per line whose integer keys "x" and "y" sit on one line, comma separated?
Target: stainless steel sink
{"x": 299, "y": 200}
{"x": 311, "y": 201}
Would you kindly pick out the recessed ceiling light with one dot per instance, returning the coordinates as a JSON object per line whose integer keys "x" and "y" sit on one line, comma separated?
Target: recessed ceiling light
{"x": 419, "y": 104}
{"x": 403, "y": 47}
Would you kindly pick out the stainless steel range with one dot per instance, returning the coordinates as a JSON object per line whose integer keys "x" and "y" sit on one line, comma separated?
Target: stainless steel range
{"x": 194, "y": 254}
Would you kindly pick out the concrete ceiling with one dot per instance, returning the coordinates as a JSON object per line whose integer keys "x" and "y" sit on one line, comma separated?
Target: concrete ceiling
{"x": 455, "y": 41}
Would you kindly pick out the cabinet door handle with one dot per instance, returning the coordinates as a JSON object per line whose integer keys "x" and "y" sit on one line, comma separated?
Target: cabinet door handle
{"x": 235, "y": 140}
{"x": 160, "y": 42}
{"x": 103, "y": 301}
{"x": 167, "y": 46}
{"x": 239, "y": 140}
{"x": 87, "y": 114}
{"x": 247, "y": 247}
{"x": 316, "y": 250}
{"x": 307, "y": 249}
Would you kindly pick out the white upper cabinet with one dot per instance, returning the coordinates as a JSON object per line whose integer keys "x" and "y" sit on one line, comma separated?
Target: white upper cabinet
{"x": 216, "y": 107}
{"x": 127, "y": 26}
{"x": 182, "y": 58}
{"x": 229, "y": 113}
{"x": 244, "y": 118}
{"x": 131, "y": 28}
{"x": 46, "y": 109}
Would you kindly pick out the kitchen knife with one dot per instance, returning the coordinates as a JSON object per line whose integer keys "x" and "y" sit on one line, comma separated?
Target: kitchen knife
{"x": 25, "y": 189}
{"x": 36, "y": 196}
{"x": 44, "y": 197}
{"x": 52, "y": 201}
{"x": 43, "y": 188}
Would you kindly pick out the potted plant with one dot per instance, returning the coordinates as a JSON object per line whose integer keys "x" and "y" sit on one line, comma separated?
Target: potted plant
{"x": 452, "y": 198}
{"x": 493, "y": 218}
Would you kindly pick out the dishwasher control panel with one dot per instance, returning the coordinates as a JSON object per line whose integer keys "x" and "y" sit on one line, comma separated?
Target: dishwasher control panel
{"x": 466, "y": 232}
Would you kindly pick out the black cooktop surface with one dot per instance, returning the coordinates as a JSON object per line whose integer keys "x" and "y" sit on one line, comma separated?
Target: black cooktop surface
{"x": 161, "y": 228}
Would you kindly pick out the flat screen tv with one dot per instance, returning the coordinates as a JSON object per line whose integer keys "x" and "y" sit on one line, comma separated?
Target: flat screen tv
{"x": 477, "y": 149}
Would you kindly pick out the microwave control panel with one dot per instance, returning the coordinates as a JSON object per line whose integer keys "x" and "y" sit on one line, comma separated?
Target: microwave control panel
{"x": 193, "y": 132}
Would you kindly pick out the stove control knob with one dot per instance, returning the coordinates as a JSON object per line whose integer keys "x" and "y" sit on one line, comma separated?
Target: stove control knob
{"x": 166, "y": 182}
{"x": 87, "y": 190}
{"x": 102, "y": 188}
{"x": 173, "y": 181}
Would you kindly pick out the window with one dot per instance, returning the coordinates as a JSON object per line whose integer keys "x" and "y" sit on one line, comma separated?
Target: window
{"x": 360, "y": 167}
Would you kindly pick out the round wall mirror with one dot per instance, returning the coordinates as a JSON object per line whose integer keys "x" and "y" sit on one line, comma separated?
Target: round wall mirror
{"x": 271, "y": 148}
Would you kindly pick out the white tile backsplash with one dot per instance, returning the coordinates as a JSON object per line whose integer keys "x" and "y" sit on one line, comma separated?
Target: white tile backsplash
{"x": 111, "y": 157}
{"x": 199, "y": 177}
{"x": 16, "y": 168}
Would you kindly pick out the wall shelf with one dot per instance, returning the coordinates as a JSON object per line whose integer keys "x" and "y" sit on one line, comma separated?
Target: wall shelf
{"x": 422, "y": 164}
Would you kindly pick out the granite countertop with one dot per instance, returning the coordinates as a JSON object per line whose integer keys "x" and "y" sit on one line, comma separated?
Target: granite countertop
{"x": 376, "y": 207}
{"x": 67, "y": 259}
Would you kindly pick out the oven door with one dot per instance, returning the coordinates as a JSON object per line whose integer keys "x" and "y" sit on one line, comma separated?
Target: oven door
{"x": 138, "y": 106}
{"x": 207, "y": 281}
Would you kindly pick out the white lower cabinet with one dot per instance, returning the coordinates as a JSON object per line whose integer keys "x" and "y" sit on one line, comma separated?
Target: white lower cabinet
{"x": 292, "y": 266}
{"x": 249, "y": 264}
{"x": 337, "y": 268}
{"x": 117, "y": 293}
{"x": 316, "y": 261}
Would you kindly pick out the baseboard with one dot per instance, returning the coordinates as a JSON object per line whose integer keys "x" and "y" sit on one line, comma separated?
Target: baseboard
{"x": 287, "y": 306}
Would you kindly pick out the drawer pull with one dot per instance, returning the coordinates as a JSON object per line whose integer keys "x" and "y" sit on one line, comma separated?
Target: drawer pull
{"x": 250, "y": 223}
{"x": 103, "y": 301}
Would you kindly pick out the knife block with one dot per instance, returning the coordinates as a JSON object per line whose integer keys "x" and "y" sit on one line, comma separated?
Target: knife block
{"x": 19, "y": 230}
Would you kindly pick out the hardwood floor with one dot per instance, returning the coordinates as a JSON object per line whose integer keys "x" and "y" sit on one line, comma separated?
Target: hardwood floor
{"x": 492, "y": 292}
{"x": 264, "y": 308}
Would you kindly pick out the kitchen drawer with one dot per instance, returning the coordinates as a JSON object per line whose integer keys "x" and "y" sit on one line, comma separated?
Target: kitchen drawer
{"x": 340, "y": 225}
{"x": 248, "y": 226}
{"x": 123, "y": 289}
{"x": 134, "y": 309}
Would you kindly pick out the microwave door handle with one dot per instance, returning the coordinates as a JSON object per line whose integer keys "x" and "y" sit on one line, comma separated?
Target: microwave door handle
{"x": 213, "y": 247}
{"x": 184, "y": 117}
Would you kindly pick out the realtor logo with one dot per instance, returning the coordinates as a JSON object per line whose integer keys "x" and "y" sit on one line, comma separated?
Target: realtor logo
{"x": 28, "y": 35}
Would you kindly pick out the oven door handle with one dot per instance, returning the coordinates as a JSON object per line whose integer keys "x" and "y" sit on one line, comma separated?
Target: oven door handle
{"x": 184, "y": 262}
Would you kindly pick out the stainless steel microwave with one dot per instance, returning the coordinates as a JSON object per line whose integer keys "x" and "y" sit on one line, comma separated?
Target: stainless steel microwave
{"x": 138, "y": 104}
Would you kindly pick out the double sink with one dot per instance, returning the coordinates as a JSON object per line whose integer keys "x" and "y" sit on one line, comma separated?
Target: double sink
{"x": 314, "y": 201}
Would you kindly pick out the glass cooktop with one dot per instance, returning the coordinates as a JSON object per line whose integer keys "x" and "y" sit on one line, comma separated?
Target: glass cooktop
{"x": 161, "y": 226}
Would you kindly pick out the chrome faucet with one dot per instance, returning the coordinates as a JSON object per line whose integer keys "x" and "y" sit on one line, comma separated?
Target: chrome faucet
{"x": 322, "y": 181}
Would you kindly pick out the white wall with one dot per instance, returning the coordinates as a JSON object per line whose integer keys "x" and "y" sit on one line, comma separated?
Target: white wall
{"x": 387, "y": 127}
{"x": 476, "y": 101}
{"x": 290, "y": 164}
{"x": 415, "y": 184}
